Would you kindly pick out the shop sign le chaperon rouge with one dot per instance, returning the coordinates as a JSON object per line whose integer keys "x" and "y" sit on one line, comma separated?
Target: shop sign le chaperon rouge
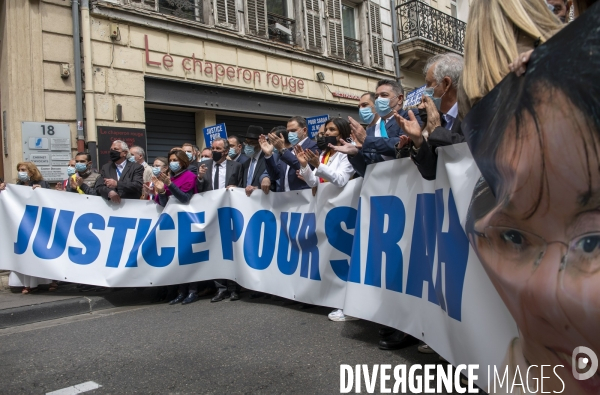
{"x": 108, "y": 134}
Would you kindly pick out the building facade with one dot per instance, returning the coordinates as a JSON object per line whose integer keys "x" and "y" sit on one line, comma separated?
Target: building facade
{"x": 173, "y": 67}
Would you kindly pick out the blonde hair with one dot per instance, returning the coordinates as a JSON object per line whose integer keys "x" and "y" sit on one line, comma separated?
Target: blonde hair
{"x": 494, "y": 28}
{"x": 34, "y": 173}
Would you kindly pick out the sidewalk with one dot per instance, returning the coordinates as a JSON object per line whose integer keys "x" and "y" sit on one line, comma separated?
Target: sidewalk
{"x": 17, "y": 309}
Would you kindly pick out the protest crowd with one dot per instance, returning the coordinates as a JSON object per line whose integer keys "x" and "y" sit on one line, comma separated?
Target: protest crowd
{"x": 500, "y": 38}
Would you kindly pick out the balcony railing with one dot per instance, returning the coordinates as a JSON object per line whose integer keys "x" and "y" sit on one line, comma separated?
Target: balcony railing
{"x": 418, "y": 20}
{"x": 352, "y": 50}
{"x": 185, "y": 9}
{"x": 276, "y": 33}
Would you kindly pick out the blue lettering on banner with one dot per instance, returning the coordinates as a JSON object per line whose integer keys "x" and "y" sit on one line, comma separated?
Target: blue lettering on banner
{"x": 212, "y": 132}
{"x": 339, "y": 238}
{"x": 414, "y": 97}
{"x": 61, "y": 233}
{"x": 83, "y": 232}
{"x": 314, "y": 124}
{"x": 287, "y": 242}
{"x": 297, "y": 247}
{"x": 149, "y": 246}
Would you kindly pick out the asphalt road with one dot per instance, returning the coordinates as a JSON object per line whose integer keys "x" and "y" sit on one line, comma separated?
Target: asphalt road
{"x": 243, "y": 347}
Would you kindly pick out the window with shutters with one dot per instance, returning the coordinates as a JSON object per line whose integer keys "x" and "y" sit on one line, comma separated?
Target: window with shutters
{"x": 225, "y": 13}
{"x": 334, "y": 28}
{"x": 375, "y": 39}
{"x": 352, "y": 45}
{"x": 312, "y": 15}
{"x": 256, "y": 17}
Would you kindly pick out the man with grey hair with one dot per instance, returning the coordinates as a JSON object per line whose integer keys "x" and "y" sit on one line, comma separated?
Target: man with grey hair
{"x": 120, "y": 178}
{"x": 439, "y": 111}
{"x": 139, "y": 157}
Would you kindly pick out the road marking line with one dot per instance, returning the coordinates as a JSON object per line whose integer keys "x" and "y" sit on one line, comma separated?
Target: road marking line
{"x": 76, "y": 389}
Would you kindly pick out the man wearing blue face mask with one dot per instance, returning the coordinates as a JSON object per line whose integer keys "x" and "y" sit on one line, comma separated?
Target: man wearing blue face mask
{"x": 189, "y": 151}
{"x": 439, "y": 111}
{"x": 285, "y": 169}
{"x": 84, "y": 179}
{"x": 235, "y": 150}
{"x": 366, "y": 109}
{"x": 378, "y": 142}
{"x": 256, "y": 166}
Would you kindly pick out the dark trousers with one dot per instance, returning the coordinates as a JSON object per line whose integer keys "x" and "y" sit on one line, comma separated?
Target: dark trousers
{"x": 189, "y": 287}
{"x": 228, "y": 285}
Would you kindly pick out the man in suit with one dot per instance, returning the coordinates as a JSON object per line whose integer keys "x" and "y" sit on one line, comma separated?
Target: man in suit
{"x": 140, "y": 157}
{"x": 235, "y": 150}
{"x": 284, "y": 170}
{"x": 440, "y": 113}
{"x": 120, "y": 178}
{"x": 378, "y": 142}
{"x": 230, "y": 172}
{"x": 220, "y": 173}
{"x": 255, "y": 167}
{"x": 188, "y": 148}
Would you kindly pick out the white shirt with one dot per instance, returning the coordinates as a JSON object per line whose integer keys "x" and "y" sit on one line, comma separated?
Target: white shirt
{"x": 120, "y": 169}
{"x": 338, "y": 171}
{"x": 222, "y": 174}
{"x": 255, "y": 159}
{"x": 287, "y": 169}
{"x": 451, "y": 116}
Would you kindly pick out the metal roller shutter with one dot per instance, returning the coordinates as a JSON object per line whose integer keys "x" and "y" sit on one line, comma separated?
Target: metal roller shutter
{"x": 167, "y": 129}
{"x": 237, "y": 126}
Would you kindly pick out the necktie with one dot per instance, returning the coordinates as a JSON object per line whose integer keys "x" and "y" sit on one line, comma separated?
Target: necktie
{"x": 251, "y": 172}
{"x": 382, "y": 129}
{"x": 216, "y": 180}
{"x": 118, "y": 173}
{"x": 444, "y": 120}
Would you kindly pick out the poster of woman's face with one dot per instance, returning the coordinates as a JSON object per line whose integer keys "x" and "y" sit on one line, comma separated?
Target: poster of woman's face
{"x": 534, "y": 219}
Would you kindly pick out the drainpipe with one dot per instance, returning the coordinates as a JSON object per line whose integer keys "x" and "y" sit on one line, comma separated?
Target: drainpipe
{"x": 395, "y": 38}
{"x": 90, "y": 116}
{"x": 77, "y": 64}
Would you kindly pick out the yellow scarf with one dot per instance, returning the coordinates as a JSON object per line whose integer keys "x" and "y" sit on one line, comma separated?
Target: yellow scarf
{"x": 74, "y": 177}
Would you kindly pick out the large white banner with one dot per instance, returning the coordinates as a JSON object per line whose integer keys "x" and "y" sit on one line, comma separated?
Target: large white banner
{"x": 390, "y": 248}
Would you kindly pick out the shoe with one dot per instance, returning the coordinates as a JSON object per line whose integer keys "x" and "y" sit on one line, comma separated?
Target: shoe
{"x": 397, "y": 341}
{"x": 386, "y": 331}
{"x": 178, "y": 299}
{"x": 425, "y": 349}
{"x": 234, "y": 296}
{"x": 191, "y": 298}
{"x": 222, "y": 294}
{"x": 338, "y": 316}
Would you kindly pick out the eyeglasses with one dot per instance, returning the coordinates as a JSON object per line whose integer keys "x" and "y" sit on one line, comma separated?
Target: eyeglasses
{"x": 516, "y": 254}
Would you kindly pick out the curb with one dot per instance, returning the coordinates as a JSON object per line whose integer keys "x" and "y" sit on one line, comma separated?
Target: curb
{"x": 52, "y": 310}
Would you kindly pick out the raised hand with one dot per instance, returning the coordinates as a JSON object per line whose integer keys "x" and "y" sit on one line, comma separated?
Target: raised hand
{"x": 301, "y": 155}
{"x": 519, "y": 65}
{"x": 312, "y": 158}
{"x": 433, "y": 115}
{"x": 359, "y": 134}
{"x": 277, "y": 141}
{"x": 201, "y": 171}
{"x": 411, "y": 127}
{"x": 346, "y": 148}
{"x": 159, "y": 186}
{"x": 166, "y": 180}
{"x": 267, "y": 148}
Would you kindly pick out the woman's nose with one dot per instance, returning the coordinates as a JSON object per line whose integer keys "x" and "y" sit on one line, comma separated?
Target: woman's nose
{"x": 542, "y": 286}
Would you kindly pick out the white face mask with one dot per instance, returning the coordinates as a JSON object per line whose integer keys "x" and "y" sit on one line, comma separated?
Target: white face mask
{"x": 23, "y": 176}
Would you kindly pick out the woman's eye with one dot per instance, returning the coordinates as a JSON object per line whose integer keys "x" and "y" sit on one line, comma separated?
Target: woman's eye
{"x": 514, "y": 237}
{"x": 589, "y": 244}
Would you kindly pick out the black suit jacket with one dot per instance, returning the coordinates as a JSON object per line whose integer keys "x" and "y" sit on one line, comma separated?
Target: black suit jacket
{"x": 129, "y": 186}
{"x": 426, "y": 157}
{"x": 233, "y": 175}
{"x": 242, "y": 158}
{"x": 259, "y": 169}
{"x": 276, "y": 169}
